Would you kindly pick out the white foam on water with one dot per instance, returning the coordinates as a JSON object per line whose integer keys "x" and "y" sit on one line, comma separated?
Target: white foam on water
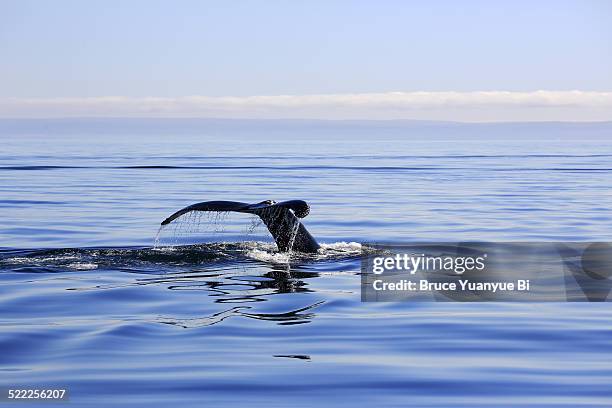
{"x": 268, "y": 252}
{"x": 162, "y": 248}
{"x": 265, "y": 246}
{"x": 45, "y": 259}
{"x": 266, "y": 256}
{"x": 83, "y": 266}
{"x": 342, "y": 246}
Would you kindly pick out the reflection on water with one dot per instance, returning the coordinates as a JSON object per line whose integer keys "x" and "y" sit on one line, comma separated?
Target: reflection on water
{"x": 291, "y": 317}
{"x": 225, "y": 273}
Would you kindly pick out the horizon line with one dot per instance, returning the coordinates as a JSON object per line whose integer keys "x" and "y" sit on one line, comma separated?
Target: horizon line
{"x": 447, "y": 106}
{"x": 298, "y": 119}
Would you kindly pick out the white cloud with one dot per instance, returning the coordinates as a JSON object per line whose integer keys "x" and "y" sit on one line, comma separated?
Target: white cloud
{"x": 459, "y": 106}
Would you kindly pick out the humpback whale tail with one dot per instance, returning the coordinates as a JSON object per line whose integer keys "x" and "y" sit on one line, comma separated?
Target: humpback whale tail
{"x": 282, "y": 220}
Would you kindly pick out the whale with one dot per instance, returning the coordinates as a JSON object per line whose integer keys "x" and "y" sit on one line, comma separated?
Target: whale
{"x": 282, "y": 220}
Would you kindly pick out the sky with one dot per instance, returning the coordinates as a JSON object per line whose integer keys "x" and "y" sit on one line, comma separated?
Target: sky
{"x": 433, "y": 60}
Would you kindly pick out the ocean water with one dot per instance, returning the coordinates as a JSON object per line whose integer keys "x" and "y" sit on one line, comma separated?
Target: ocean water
{"x": 216, "y": 316}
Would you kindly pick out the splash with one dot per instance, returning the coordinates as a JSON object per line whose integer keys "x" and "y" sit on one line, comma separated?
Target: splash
{"x": 342, "y": 246}
{"x": 156, "y": 241}
{"x": 254, "y": 224}
{"x": 180, "y": 258}
{"x": 82, "y": 266}
{"x": 338, "y": 250}
{"x": 213, "y": 227}
{"x": 269, "y": 256}
{"x": 294, "y": 231}
{"x": 285, "y": 224}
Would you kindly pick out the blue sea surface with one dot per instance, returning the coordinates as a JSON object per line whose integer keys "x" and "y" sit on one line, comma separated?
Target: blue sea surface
{"x": 215, "y": 316}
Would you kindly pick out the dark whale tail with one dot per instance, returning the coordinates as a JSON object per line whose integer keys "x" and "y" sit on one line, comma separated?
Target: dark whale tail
{"x": 282, "y": 220}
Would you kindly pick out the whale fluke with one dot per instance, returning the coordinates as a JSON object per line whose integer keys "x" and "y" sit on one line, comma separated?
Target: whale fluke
{"x": 282, "y": 220}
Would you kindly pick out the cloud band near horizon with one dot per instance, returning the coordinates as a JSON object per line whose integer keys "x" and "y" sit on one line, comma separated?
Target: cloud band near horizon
{"x": 483, "y": 106}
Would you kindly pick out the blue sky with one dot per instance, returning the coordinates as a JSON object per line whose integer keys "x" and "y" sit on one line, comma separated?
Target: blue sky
{"x": 174, "y": 49}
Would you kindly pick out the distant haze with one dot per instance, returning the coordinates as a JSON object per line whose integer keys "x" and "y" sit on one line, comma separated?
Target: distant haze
{"x": 295, "y": 129}
{"x": 469, "y": 61}
{"x": 453, "y": 106}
